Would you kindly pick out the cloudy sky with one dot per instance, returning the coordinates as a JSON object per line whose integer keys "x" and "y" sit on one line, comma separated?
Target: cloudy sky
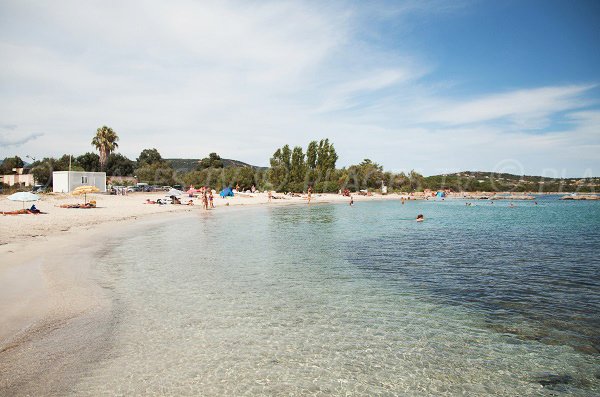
{"x": 438, "y": 86}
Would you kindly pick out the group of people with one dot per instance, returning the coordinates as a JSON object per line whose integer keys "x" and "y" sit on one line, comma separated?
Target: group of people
{"x": 164, "y": 201}
{"x": 205, "y": 193}
{"x": 208, "y": 199}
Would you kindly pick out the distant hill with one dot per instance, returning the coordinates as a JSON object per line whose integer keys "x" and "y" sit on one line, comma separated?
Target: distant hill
{"x": 491, "y": 181}
{"x": 186, "y": 165}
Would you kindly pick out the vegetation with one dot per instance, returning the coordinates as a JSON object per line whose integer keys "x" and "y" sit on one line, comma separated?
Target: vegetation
{"x": 291, "y": 170}
{"x": 106, "y": 142}
{"x": 9, "y": 163}
{"x": 493, "y": 182}
{"x": 186, "y": 165}
{"x": 212, "y": 161}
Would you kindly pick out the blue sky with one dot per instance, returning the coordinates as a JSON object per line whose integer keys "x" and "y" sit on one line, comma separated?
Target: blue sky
{"x": 438, "y": 86}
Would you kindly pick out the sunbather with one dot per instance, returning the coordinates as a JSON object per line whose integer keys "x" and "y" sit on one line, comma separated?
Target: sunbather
{"x": 23, "y": 212}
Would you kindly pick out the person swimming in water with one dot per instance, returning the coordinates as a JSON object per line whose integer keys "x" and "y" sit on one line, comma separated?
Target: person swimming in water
{"x": 420, "y": 218}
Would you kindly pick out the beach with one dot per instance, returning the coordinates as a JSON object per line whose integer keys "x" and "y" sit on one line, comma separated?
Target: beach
{"x": 288, "y": 298}
{"x": 45, "y": 259}
{"x": 19, "y": 231}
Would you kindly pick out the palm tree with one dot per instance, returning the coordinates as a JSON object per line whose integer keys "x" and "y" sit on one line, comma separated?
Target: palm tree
{"x": 106, "y": 142}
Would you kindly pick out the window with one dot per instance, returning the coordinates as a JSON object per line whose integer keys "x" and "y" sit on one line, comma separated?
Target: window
{"x": 84, "y": 179}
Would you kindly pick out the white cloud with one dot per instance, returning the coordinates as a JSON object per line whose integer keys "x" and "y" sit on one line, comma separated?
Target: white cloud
{"x": 11, "y": 137}
{"x": 526, "y": 108}
{"x": 242, "y": 78}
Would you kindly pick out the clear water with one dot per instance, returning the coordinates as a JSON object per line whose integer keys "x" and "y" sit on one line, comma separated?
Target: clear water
{"x": 363, "y": 300}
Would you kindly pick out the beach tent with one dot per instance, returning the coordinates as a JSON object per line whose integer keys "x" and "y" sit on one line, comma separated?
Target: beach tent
{"x": 226, "y": 192}
{"x": 440, "y": 194}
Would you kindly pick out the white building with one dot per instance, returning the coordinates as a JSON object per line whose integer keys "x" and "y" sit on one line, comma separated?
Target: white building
{"x": 67, "y": 181}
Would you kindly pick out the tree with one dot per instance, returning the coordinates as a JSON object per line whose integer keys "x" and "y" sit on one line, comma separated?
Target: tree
{"x": 298, "y": 169}
{"x": 212, "y": 161}
{"x": 42, "y": 169}
{"x": 149, "y": 157}
{"x": 277, "y": 172}
{"x": 9, "y": 163}
{"x": 311, "y": 155}
{"x": 332, "y": 158}
{"x": 106, "y": 142}
{"x": 365, "y": 175}
{"x": 119, "y": 165}
{"x": 89, "y": 162}
{"x": 291, "y": 169}
{"x": 325, "y": 161}
{"x": 416, "y": 180}
{"x": 156, "y": 174}
{"x": 286, "y": 157}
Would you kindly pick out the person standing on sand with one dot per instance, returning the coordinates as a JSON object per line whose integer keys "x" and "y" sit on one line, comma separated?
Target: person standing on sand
{"x": 205, "y": 201}
{"x": 270, "y": 195}
{"x": 211, "y": 198}
{"x": 352, "y": 201}
{"x": 309, "y": 193}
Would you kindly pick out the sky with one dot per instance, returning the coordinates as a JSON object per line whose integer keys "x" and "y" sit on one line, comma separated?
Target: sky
{"x": 435, "y": 86}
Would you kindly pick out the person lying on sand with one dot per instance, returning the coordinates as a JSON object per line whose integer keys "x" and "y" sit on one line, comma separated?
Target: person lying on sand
{"x": 148, "y": 201}
{"x": 23, "y": 212}
{"x": 191, "y": 202}
{"x": 69, "y": 205}
{"x": 91, "y": 204}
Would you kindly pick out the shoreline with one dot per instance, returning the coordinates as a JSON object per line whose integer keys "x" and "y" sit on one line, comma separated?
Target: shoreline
{"x": 61, "y": 317}
{"x": 50, "y": 302}
{"x": 17, "y": 231}
{"x": 57, "y": 316}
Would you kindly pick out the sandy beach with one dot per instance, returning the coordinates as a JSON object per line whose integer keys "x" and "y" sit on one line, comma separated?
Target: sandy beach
{"x": 19, "y": 231}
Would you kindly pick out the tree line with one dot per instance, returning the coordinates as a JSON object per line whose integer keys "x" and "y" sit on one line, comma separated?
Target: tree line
{"x": 291, "y": 170}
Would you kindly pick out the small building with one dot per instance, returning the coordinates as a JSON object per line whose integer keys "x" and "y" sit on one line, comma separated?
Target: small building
{"x": 21, "y": 177}
{"x": 67, "y": 181}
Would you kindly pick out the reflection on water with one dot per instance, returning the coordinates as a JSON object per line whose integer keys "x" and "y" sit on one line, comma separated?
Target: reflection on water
{"x": 331, "y": 300}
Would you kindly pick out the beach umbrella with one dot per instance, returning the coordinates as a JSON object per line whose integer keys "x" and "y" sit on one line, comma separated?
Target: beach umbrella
{"x": 175, "y": 192}
{"x": 85, "y": 190}
{"x": 23, "y": 196}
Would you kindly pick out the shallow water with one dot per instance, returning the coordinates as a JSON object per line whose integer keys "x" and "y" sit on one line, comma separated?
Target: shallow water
{"x": 336, "y": 300}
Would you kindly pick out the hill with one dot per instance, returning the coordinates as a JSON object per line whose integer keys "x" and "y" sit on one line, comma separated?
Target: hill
{"x": 186, "y": 165}
{"x": 490, "y": 181}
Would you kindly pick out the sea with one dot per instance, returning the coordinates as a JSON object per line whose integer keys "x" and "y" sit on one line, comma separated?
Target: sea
{"x": 486, "y": 299}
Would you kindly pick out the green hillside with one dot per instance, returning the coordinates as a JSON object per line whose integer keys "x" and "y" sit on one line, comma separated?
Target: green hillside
{"x": 187, "y": 165}
{"x": 490, "y": 181}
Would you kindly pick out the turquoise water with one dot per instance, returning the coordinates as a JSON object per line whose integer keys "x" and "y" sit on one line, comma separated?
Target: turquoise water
{"x": 363, "y": 300}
